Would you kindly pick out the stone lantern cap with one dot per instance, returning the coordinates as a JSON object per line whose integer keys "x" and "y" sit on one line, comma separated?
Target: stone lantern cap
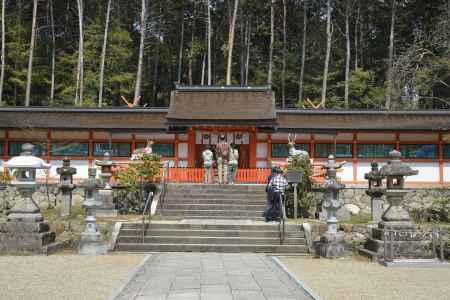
{"x": 26, "y": 160}
{"x": 106, "y": 161}
{"x": 66, "y": 169}
{"x": 374, "y": 173}
{"x": 395, "y": 167}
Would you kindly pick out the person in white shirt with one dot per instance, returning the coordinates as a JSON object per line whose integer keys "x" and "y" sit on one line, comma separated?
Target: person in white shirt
{"x": 208, "y": 156}
{"x": 233, "y": 162}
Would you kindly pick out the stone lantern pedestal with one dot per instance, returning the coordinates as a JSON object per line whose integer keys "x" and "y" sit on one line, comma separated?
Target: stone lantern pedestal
{"x": 66, "y": 186}
{"x": 91, "y": 240}
{"x": 332, "y": 244}
{"x": 396, "y": 228}
{"x": 107, "y": 209}
{"x": 26, "y": 230}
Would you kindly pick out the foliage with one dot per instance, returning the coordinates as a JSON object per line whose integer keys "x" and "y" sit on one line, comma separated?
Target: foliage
{"x": 143, "y": 171}
{"x": 421, "y": 26}
{"x": 305, "y": 196}
{"x": 440, "y": 210}
{"x": 5, "y": 178}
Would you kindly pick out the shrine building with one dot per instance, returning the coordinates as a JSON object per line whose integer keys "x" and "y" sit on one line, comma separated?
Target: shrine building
{"x": 249, "y": 118}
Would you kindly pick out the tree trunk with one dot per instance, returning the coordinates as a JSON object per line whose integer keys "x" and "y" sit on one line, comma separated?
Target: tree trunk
{"x": 283, "y": 74}
{"x": 347, "y": 57}
{"x": 356, "y": 35}
{"x": 180, "y": 54}
{"x": 243, "y": 50}
{"x": 80, "y": 75}
{"x": 272, "y": 39}
{"x": 391, "y": 58}
{"x": 247, "y": 56}
{"x": 191, "y": 51}
{"x": 2, "y": 72}
{"x": 203, "y": 69}
{"x": 31, "y": 54}
{"x": 209, "y": 42}
{"x": 102, "y": 64}
{"x": 137, "y": 89}
{"x": 231, "y": 42}
{"x": 52, "y": 25}
{"x": 302, "y": 66}
{"x": 327, "y": 57}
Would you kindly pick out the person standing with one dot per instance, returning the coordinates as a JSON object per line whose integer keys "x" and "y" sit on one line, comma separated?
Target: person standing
{"x": 233, "y": 163}
{"x": 269, "y": 194}
{"x": 207, "y": 156}
{"x": 222, "y": 151}
{"x": 278, "y": 186}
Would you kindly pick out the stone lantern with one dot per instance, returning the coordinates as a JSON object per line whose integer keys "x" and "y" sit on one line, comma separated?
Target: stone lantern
{"x": 107, "y": 209}
{"x": 332, "y": 242}
{"x": 375, "y": 191}
{"x": 66, "y": 186}
{"x": 395, "y": 172}
{"x": 25, "y": 229}
{"x": 25, "y": 167}
{"x": 91, "y": 241}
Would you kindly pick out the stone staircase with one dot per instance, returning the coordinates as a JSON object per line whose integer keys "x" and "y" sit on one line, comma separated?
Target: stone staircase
{"x": 199, "y": 201}
{"x": 212, "y": 218}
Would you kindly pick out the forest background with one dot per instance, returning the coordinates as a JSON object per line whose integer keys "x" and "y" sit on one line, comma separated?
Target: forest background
{"x": 370, "y": 54}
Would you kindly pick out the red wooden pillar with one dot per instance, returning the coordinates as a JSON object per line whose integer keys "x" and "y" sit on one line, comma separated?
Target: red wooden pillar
{"x": 191, "y": 148}
{"x": 397, "y": 141}
{"x": 441, "y": 158}
{"x": 49, "y": 145}
{"x": 269, "y": 150}
{"x": 91, "y": 148}
{"x": 252, "y": 151}
{"x": 176, "y": 155}
{"x": 355, "y": 157}
{"x": 6, "y": 151}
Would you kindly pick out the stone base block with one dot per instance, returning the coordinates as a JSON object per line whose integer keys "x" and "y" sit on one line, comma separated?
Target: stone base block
{"x": 27, "y": 237}
{"x": 92, "y": 244}
{"x": 106, "y": 213}
{"x": 415, "y": 263}
{"x": 332, "y": 245}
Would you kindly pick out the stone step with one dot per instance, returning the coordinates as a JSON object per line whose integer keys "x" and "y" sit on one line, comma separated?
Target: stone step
{"x": 190, "y": 195}
{"x": 228, "y": 187}
{"x": 231, "y": 248}
{"x": 213, "y": 233}
{"x": 212, "y": 213}
{"x": 239, "y": 218}
{"x": 193, "y": 207}
{"x": 260, "y": 226}
{"x": 215, "y": 201}
{"x": 208, "y": 240}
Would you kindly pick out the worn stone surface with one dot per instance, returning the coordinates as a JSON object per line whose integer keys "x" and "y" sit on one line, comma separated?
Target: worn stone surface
{"x": 211, "y": 276}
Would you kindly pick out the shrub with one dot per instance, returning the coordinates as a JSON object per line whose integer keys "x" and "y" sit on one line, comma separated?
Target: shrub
{"x": 144, "y": 172}
{"x": 305, "y": 196}
{"x": 4, "y": 177}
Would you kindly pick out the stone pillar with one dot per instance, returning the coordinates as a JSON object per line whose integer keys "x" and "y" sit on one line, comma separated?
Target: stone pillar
{"x": 66, "y": 186}
{"x": 91, "y": 240}
{"x": 375, "y": 191}
{"x": 332, "y": 243}
{"x": 107, "y": 209}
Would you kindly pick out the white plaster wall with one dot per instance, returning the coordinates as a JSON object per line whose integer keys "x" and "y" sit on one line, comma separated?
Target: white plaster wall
{"x": 261, "y": 150}
{"x": 1, "y": 165}
{"x": 347, "y": 173}
{"x": 182, "y": 164}
{"x": 261, "y": 164}
{"x": 428, "y": 172}
{"x": 82, "y": 167}
{"x": 182, "y": 150}
{"x": 447, "y": 172}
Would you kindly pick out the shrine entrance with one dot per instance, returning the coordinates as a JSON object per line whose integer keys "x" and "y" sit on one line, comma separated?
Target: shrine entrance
{"x": 205, "y": 138}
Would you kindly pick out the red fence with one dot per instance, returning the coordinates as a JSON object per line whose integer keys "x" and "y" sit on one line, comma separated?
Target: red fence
{"x": 196, "y": 175}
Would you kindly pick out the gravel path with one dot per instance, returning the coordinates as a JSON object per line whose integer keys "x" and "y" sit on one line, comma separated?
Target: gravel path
{"x": 63, "y": 276}
{"x": 360, "y": 279}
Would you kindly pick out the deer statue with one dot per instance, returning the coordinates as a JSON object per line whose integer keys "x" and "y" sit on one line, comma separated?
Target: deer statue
{"x": 138, "y": 153}
{"x": 295, "y": 152}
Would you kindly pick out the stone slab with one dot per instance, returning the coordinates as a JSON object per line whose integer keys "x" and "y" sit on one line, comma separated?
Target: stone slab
{"x": 415, "y": 263}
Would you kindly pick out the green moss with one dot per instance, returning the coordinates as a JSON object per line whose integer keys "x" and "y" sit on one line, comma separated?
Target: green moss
{"x": 358, "y": 219}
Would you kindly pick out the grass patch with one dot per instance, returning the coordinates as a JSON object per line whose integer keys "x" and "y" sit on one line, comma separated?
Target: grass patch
{"x": 358, "y": 219}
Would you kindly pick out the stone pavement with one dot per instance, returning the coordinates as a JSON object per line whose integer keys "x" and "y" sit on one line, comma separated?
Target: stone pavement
{"x": 211, "y": 276}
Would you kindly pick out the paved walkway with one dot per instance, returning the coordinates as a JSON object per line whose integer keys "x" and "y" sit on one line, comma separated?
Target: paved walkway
{"x": 211, "y": 276}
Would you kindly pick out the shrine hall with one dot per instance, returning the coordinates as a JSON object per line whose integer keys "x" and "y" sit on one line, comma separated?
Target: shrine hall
{"x": 248, "y": 117}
